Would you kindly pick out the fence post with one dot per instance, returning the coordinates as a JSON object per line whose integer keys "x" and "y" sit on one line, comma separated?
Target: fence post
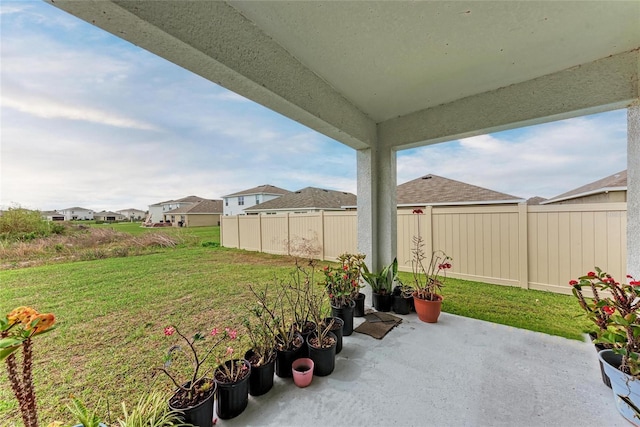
{"x": 238, "y": 227}
{"x": 288, "y": 236}
{"x": 427, "y": 226}
{"x": 322, "y": 235}
{"x": 260, "y": 230}
{"x": 523, "y": 246}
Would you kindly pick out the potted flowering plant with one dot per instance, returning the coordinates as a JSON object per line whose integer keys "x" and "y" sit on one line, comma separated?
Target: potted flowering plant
{"x": 622, "y": 362}
{"x": 262, "y": 355}
{"x": 232, "y": 380}
{"x": 428, "y": 281}
{"x": 194, "y": 395}
{"x": 343, "y": 285}
{"x": 17, "y": 330}
{"x": 596, "y": 310}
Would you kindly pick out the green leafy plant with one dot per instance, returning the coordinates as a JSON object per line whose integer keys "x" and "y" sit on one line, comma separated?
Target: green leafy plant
{"x": 382, "y": 282}
{"x": 151, "y": 410}
{"x": 620, "y": 311}
{"x": 83, "y": 415}
{"x": 17, "y": 329}
{"x": 343, "y": 283}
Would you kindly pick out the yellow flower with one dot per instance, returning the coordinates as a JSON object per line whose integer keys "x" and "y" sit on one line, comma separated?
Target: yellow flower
{"x": 21, "y": 314}
{"x": 42, "y": 322}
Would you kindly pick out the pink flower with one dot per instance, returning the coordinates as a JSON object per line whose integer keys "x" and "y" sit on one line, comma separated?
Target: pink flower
{"x": 233, "y": 334}
{"x": 214, "y": 332}
{"x": 608, "y": 310}
{"x": 229, "y": 351}
{"x": 573, "y": 282}
{"x": 169, "y": 330}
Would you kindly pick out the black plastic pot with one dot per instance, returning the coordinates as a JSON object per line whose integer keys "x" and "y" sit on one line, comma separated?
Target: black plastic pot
{"x": 324, "y": 359}
{"x": 232, "y": 398}
{"x": 346, "y": 314}
{"x": 599, "y": 348}
{"x": 359, "y": 310}
{"x": 199, "y": 415}
{"x": 308, "y": 329}
{"x": 401, "y": 305}
{"x": 337, "y": 329}
{"x": 261, "y": 379}
{"x": 284, "y": 358}
{"x": 382, "y": 302}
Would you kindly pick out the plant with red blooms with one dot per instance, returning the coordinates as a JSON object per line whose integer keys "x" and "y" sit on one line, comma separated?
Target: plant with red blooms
{"x": 230, "y": 369}
{"x": 428, "y": 279}
{"x": 197, "y": 387}
{"x": 620, "y": 311}
{"x": 17, "y": 329}
{"x": 343, "y": 283}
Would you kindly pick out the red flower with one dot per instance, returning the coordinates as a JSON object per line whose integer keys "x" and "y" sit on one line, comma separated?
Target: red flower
{"x": 591, "y": 274}
{"x": 629, "y": 276}
{"x": 573, "y": 282}
{"x": 169, "y": 330}
{"x": 214, "y": 332}
{"x": 417, "y": 211}
{"x": 608, "y": 310}
{"x": 634, "y": 283}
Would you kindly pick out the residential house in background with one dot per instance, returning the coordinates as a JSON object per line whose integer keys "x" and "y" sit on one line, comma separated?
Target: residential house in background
{"x": 132, "y": 214}
{"x": 237, "y": 203}
{"x": 310, "y": 199}
{"x": 434, "y": 190}
{"x": 77, "y": 214}
{"x": 108, "y": 216}
{"x": 200, "y": 214}
{"x": 52, "y": 215}
{"x": 157, "y": 210}
{"x": 606, "y": 190}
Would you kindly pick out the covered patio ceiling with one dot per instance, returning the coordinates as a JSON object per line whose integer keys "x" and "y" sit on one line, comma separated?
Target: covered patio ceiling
{"x": 396, "y": 73}
{"x": 385, "y": 76}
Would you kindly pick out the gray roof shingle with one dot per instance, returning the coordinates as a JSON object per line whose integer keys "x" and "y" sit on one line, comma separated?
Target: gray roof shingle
{"x": 308, "y": 198}
{"x": 262, "y": 189}
{"x": 615, "y": 181}
{"x": 434, "y": 189}
{"x": 201, "y": 207}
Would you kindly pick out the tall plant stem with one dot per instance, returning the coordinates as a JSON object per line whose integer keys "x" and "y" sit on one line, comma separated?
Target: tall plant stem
{"x": 27, "y": 382}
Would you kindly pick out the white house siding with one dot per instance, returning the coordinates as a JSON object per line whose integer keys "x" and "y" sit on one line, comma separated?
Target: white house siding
{"x": 156, "y": 213}
{"x": 77, "y": 214}
{"x": 232, "y": 207}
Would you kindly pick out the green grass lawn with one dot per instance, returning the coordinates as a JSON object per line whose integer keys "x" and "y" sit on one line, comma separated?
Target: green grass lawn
{"x": 111, "y": 313}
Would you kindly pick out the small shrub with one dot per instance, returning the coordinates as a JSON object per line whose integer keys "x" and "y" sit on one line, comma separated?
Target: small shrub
{"x": 23, "y": 224}
{"x": 210, "y": 244}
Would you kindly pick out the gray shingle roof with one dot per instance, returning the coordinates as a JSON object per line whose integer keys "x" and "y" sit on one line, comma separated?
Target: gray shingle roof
{"x": 616, "y": 181}
{"x": 201, "y": 207}
{"x": 433, "y": 189}
{"x": 308, "y": 198}
{"x": 262, "y": 189}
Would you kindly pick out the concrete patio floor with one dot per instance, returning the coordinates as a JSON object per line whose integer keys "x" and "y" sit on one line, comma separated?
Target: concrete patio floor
{"x": 458, "y": 372}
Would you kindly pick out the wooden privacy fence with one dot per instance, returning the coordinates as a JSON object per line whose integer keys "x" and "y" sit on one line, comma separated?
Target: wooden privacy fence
{"x": 532, "y": 247}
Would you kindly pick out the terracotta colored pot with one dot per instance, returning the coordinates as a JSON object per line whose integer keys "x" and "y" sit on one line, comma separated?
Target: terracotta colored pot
{"x": 302, "y": 370}
{"x": 428, "y": 311}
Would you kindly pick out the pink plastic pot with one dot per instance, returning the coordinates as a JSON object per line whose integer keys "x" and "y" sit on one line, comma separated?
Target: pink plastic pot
{"x": 302, "y": 371}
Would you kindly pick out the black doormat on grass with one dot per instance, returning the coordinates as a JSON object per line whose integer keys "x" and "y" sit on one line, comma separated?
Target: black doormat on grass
{"x": 377, "y": 324}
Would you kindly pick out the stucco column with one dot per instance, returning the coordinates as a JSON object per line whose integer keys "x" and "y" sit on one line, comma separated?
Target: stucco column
{"x": 377, "y": 212}
{"x": 633, "y": 189}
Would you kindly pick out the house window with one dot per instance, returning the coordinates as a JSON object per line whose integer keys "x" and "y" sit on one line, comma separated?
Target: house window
{"x": 240, "y": 200}
{"x": 257, "y": 199}
{"x": 226, "y": 202}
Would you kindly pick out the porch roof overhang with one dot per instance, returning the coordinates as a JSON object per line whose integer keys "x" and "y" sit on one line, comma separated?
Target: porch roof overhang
{"x": 396, "y": 74}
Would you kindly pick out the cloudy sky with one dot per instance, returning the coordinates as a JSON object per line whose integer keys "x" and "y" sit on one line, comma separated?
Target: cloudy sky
{"x": 90, "y": 120}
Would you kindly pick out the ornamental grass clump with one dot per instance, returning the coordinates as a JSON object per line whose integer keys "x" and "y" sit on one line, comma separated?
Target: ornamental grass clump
{"x": 17, "y": 330}
{"x": 618, "y": 312}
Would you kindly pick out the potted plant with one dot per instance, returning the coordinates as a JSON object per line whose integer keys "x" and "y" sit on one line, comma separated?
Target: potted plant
{"x": 280, "y": 319}
{"x": 622, "y": 362}
{"x": 596, "y": 310}
{"x": 194, "y": 395}
{"x": 402, "y": 299}
{"x": 322, "y": 343}
{"x": 262, "y": 355}
{"x": 232, "y": 380}
{"x": 428, "y": 280}
{"x": 382, "y": 283}
{"x": 17, "y": 330}
{"x": 343, "y": 285}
